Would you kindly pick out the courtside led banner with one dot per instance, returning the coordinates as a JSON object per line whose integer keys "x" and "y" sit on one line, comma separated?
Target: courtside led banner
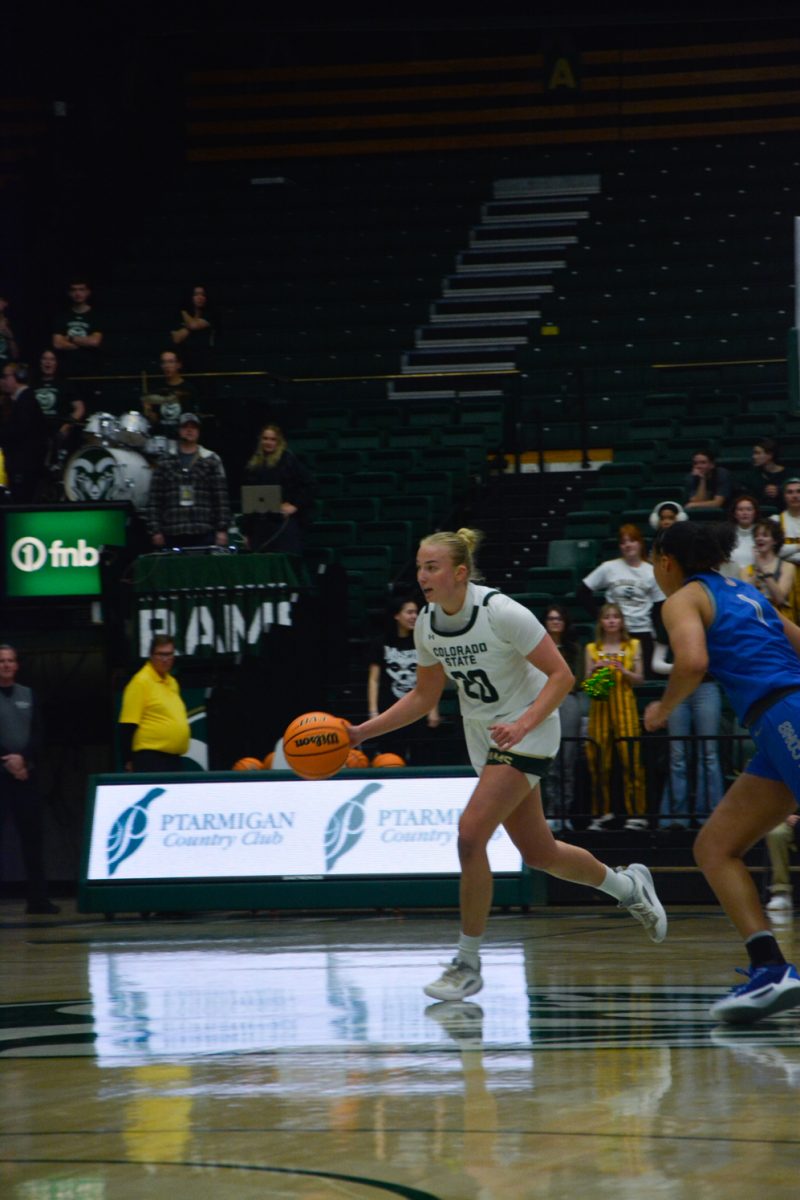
{"x": 287, "y": 829}
{"x": 56, "y": 552}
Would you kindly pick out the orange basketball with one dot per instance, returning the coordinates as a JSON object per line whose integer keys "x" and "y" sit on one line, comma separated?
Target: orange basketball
{"x": 268, "y": 761}
{"x": 316, "y": 745}
{"x": 248, "y": 764}
{"x": 357, "y": 758}
{"x": 388, "y": 760}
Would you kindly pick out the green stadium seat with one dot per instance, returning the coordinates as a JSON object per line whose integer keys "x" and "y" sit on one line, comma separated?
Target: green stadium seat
{"x": 329, "y": 484}
{"x": 365, "y": 442}
{"x": 535, "y": 602}
{"x": 557, "y": 581}
{"x": 607, "y": 499}
{"x": 416, "y": 509}
{"x": 331, "y": 535}
{"x": 412, "y": 439}
{"x": 372, "y": 483}
{"x": 397, "y": 535}
{"x": 344, "y": 462}
{"x": 352, "y": 508}
{"x": 583, "y": 524}
{"x": 579, "y": 555}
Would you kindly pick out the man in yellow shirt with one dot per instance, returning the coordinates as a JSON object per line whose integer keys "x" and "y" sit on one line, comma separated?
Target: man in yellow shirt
{"x": 154, "y": 726}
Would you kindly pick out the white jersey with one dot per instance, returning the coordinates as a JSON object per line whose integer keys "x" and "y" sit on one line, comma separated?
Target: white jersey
{"x": 484, "y": 649}
{"x": 633, "y": 589}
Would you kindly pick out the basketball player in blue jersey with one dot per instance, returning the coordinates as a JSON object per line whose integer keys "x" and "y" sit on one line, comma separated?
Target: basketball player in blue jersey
{"x": 511, "y": 679}
{"x": 728, "y": 628}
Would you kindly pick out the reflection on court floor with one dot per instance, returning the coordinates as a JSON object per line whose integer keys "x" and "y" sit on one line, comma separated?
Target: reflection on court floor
{"x": 147, "y": 1005}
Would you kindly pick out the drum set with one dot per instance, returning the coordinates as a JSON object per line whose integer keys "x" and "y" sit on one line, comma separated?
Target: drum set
{"x": 116, "y": 459}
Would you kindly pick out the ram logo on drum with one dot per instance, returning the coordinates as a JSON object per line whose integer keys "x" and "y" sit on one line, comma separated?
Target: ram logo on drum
{"x": 97, "y": 473}
{"x": 31, "y": 554}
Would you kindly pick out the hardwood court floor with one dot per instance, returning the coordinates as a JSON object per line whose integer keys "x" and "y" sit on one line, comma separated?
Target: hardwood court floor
{"x": 287, "y": 1057}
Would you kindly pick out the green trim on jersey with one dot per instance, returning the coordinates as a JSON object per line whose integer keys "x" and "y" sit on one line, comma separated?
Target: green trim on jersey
{"x": 529, "y": 764}
{"x": 470, "y": 623}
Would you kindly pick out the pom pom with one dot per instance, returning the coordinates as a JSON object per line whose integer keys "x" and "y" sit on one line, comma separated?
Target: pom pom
{"x": 598, "y": 686}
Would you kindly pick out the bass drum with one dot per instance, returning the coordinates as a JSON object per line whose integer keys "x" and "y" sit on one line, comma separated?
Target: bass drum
{"x": 97, "y": 473}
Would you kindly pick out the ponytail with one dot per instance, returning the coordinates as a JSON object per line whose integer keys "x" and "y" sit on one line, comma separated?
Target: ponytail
{"x": 462, "y": 547}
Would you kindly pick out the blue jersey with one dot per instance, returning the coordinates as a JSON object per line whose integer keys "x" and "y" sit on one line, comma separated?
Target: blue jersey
{"x": 748, "y": 651}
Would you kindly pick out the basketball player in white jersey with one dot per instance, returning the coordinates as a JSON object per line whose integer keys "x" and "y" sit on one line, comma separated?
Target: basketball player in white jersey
{"x": 510, "y": 679}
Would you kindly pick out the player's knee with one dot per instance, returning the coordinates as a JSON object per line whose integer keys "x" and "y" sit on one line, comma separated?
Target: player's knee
{"x": 706, "y": 851}
{"x": 471, "y": 842}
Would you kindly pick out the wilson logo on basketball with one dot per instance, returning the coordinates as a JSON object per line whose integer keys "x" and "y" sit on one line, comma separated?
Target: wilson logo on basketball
{"x": 318, "y": 739}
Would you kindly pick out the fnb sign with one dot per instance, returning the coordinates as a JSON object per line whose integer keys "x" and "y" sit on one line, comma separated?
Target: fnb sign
{"x": 56, "y": 552}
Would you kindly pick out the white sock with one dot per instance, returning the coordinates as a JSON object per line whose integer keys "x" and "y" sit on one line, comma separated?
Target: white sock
{"x": 617, "y": 884}
{"x": 469, "y": 950}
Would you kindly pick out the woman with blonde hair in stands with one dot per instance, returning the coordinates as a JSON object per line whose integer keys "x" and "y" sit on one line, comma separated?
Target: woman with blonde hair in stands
{"x": 614, "y": 727}
{"x": 510, "y": 679}
{"x": 273, "y": 463}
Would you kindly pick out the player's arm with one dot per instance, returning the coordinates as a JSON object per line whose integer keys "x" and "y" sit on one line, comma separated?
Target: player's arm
{"x": 547, "y": 658}
{"x": 683, "y": 616}
{"x": 410, "y": 708}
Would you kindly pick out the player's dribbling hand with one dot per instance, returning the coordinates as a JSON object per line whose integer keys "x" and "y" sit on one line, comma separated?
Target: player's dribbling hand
{"x": 653, "y": 717}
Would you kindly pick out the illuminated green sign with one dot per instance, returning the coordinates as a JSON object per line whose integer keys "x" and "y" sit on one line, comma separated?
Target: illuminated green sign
{"x": 57, "y": 552}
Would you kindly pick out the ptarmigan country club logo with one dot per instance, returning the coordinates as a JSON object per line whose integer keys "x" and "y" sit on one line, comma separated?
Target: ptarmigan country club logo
{"x": 129, "y": 830}
{"x": 346, "y": 825}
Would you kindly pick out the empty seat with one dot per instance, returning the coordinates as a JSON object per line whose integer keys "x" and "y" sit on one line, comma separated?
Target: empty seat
{"x": 579, "y": 555}
{"x": 372, "y": 483}
{"x": 607, "y": 499}
{"x": 331, "y": 535}
{"x": 584, "y": 524}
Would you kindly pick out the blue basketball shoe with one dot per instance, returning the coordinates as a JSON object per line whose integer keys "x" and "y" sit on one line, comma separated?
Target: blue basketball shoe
{"x": 768, "y": 990}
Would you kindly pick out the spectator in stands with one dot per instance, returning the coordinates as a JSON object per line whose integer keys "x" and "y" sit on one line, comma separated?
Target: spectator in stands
{"x": 707, "y": 485}
{"x": 272, "y": 462}
{"x": 23, "y": 434}
{"x": 774, "y": 577}
{"x": 789, "y": 520}
{"x": 63, "y": 408}
{"x": 614, "y": 721}
{"x": 393, "y": 674}
{"x": 165, "y": 403}
{"x": 666, "y": 513}
{"x": 558, "y": 786}
{"x": 743, "y": 514}
{"x": 699, "y": 714}
{"x": 765, "y": 481}
{"x": 627, "y": 581}
{"x": 188, "y": 501}
{"x": 20, "y": 754}
{"x": 780, "y": 841}
{"x": 9, "y": 347}
{"x": 197, "y": 328}
{"x": 78, "y": 337}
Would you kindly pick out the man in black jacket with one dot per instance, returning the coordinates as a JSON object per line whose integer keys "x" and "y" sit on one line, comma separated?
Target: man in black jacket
{"x": 23, "y": 433}
{"x": 20, "y": 741}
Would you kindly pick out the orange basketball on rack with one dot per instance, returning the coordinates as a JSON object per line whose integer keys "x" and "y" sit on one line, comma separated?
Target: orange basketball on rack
{"x": 316, "y": 745}
{"x": 248, "y": 764}
{"x": 388, "y": 760}
{"x": 357, "y": 758}
{"x": 268, "y": 761}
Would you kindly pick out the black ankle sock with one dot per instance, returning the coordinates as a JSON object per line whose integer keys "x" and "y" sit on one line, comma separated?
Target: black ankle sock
{"x": 764, "y": 951}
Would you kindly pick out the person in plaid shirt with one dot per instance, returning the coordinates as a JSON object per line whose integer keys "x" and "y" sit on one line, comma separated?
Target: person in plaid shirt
{"x": 188, "y": 502}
